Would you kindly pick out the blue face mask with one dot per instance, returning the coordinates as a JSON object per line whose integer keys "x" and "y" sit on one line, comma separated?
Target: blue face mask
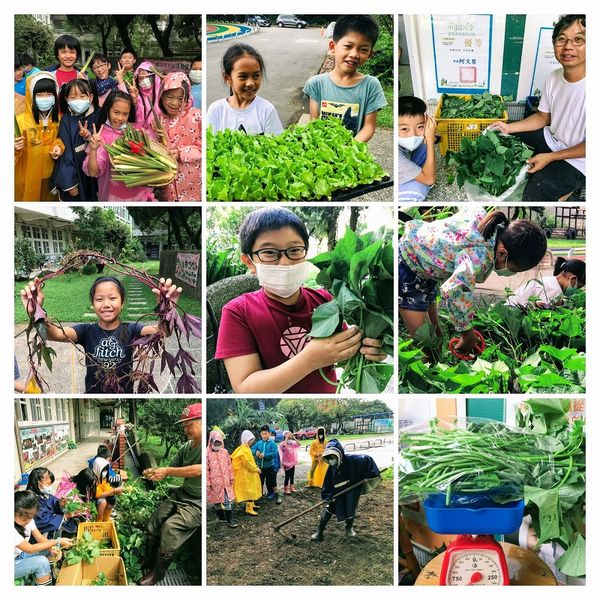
{"x": 44, "y": 103}
{"x": 78, "y": 107}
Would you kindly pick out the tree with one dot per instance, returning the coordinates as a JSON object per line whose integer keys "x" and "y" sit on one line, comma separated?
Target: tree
{"x": 101, "y": 25}
{"x": 26, "y": 258}
{"x": 337, "y": 410}
{"x": 33, "y": 37}
{"x": 159, "y": 416}
{"x": 100, "y": 230}
{"x": 185, "y": 224}
{"x": 190, "y": 27}
{"x": 122, "y": 23}
{"x": 162, "y": 36}
{"x": 299, "y": 412}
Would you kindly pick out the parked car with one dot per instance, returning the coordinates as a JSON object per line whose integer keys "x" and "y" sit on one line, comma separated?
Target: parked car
{"x": 290, "y": 21}
{"x": 306, "y": 433}
{"x": 278, "y": 435}
{"x": 259, "y": 20}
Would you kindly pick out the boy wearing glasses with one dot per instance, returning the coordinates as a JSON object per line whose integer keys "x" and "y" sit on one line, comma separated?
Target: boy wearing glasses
{"x": 263, "y": 335}
{"x": 557, "y": 131}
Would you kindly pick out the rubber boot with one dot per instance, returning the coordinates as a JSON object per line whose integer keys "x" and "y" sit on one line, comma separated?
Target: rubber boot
{"x": 106, "y": 515}
{"x": 160, "y": 568}
{"x": 221, "y": 515}
{"x": 293, "y": 489}
{"x": 250, "y": 508}
{"x": 278, "y": 498}
{"x": 286, "y": 490}
{"x": 149, "y": 552}
{"x": 349, "y": 530}
{"x": 229, "y": 518}
{"x": 318, "y": 535}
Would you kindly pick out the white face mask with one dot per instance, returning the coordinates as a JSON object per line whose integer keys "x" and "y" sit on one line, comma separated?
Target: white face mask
{"x": 122, "y": 128}
{"x": 332, "y": 461}
{"x": 195, "y": 76}
{"x": 47, "y": 489}
{"x": 411, "y": 143}
{"x": 282, "y": 280}
{"x": 503, "y": 272}
{"x": 145, "y": 83}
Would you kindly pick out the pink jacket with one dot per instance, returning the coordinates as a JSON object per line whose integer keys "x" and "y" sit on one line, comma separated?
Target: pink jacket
{"x": 219, "y": 472}
{"x": 288, "y": 453}
{"x": 148, "y": 99}
{"x": 184, "y": 132}
{"x": 109, "y": 190}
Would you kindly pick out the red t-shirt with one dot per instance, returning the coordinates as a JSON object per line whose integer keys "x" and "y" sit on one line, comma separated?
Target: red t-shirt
{"x": 253, "y": 323}
{"x": 65, "y": 76}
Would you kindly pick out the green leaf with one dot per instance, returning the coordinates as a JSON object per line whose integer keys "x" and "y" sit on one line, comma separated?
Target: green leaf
{"x": 325, "y": 320}
{"x": 360, "y": 263}
{"x": 547, "y": 503}
{"x": 572, "y": 562}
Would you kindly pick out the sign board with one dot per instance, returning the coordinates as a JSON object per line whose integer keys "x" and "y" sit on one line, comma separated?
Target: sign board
{"x": 545, "y": 61}
{"x": 40, "y": 443}
{"x": 187, "y": 267}
{"x": 462, "y": 49}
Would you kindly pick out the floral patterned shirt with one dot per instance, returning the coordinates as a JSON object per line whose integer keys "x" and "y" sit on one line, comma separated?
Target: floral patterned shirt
{"x": 454, "y": 252}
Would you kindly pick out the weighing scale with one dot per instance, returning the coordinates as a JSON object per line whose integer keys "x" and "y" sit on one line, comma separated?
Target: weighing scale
{"x": 474, "y": 557}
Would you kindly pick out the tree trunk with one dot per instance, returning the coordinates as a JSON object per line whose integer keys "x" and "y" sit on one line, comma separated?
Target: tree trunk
{"x": 331, "y": 231}
{"x": 122, "y": 23}
{"x": 176, "y": 229}
{"x": 354, "y": 214}
{"x": 104, "y": 33}
{"x": 162, "y": 37}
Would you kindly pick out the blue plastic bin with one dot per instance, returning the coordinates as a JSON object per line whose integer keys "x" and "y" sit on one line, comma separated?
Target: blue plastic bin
{"x": 476, "y": 515}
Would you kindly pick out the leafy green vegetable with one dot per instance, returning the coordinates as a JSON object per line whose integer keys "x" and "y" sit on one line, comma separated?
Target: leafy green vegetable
{"x": 479, "y": 106}
{"x": 491, "y": 161}
{"x": 102, "y": 579}
{"x": 86, "y": 548}
{"x": 359, "y": 274}
{"x": 306, "y": 162}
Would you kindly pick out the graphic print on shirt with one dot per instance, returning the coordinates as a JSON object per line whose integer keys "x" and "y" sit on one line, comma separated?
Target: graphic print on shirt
{"x": 109, "y": 352}
{"x": 346, "y": 112}
{"x": 293, "y": 341}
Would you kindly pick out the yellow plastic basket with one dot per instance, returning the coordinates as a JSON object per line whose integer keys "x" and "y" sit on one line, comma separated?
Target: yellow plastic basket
{"x": 452, "y": 131}
{"x": 102, "y": 531}
{"x": 84, "y": 574}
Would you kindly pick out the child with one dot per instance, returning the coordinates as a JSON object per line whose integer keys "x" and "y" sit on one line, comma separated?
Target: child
{"x": 219, "y": 477}
{"x": 91, "y": 488}
{"x": 126, "y": 62}
{"x": 67, "y": 51}
{"x": 263, "y": 335}
{"x": 104, "y": 83}
{"x": 318, "y": 467}
{"x": 145, "y": 91}
{"x": 182, "y": 124}
{"x": 101, "y": 466}
{"x": 28, "y": 65}
{"x": 50, "y": 518}
{"x": 288, "y": 454}
{"x": 243, "y": 70}
{"x": 31, "y": 558}
{"x": 19, "y": 76}
{"x": 80, "y": 112}
{"x": 247, "y": 485}
{"x": 38, "y": 146}
{"x": 344, "y": 471}
{"x": 344, "y": 93}
{"x": 117, "y": 111}
{"x": 416, "y": 149}
{"x": 265, "y": 455}
{"x": 568, "y": 277}
{"x": 107, "y": 343}
{"x": 460, "y": 252}
{"x": 195, "y": 76}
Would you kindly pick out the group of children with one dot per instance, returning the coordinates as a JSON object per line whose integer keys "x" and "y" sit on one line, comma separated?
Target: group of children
{"x": 254, "y": 465}
{"x": 42, "y": 523}
{"x": 344, "y": 93}
{"x": 64, "y": 120}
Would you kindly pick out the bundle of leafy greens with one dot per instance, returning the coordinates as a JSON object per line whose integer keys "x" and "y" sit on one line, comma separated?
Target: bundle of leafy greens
{"x": 542, "y": 462}
{"x": 491, "y": 161}
{"x": 359, "y": 274}
{"x": 86, "y": 549}
{"x": 478, "y": 106}
{"x": 305, "y": 162}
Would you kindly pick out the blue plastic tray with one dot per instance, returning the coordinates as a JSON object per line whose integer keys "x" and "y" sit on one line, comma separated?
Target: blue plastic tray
{"x": 475, "y": 515}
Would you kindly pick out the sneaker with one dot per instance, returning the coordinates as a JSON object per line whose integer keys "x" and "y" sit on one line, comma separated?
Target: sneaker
{"x": 271, "y": 496}
{"x": 279, "y": 498}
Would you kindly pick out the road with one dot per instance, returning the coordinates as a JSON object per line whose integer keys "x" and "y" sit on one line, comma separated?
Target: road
{"x": 291, "y": 57}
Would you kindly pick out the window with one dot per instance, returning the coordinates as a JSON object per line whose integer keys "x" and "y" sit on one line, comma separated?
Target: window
{"x": 46, "y": 247}
{"x": 36, "y": 232}
{"x": 26, "y": 230}
{"x": 55, "y": 248}
{"x": 65, "y": 410}
{"x": 57, "y": 235}
{"x": 44, "y": 233}
{"x": 38, "y": 246}
{"x": 36, "y": 409}
{"x": 23, "y": 412}
{"x": 47, "y": 410}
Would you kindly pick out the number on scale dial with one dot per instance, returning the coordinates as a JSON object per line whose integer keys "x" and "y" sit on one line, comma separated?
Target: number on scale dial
{"x": 474, "y": 568}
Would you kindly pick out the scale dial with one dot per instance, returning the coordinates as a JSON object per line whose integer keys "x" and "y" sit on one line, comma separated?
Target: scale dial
{"x": 475, "y": 567}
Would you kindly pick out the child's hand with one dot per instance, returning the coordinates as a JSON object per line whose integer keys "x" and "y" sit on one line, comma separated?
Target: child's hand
{"x": 322, "y": 352}
{"x": 119, "y": 73}
{"x": 430, "y": 128}
{"x": 371, "y": 348}
{"x": 468, "y": 341}
{"x": 65, "y": 542}
{"x": 133, "y": 92}
{"x": 27, "y": 295}
{"x": 174, "y": 153}
{"x": 82, "y": 75}
{"x": 95, "y": 141}
{"x": 74, "y": 191}
{"x": 84, "y": 132}
{"x": 19, "y": 144}
{"x": 168, "y": 288}
{"x": 56, "y": 152}
{"x": 259, "y": 471}
{"x": 118, "y": 491}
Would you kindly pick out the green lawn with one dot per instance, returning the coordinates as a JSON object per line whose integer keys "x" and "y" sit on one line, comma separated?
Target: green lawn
{"x": 385, "y": 117}
{"x": 67, "y": 297}
{"x": 344, "y": 439}
{"x": 563, "y": 243}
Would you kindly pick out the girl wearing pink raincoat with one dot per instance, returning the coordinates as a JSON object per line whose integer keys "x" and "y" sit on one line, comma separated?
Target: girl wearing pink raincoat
{"x": 147, "y": 95}
{"x": 288, "y": 454}
{"x": 219, "y": 477}
{"x": 182, "y": 125}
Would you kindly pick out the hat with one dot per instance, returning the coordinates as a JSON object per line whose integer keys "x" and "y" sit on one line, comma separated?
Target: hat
{"x": 191, "y": 412}
{"x": 265, "y": 428}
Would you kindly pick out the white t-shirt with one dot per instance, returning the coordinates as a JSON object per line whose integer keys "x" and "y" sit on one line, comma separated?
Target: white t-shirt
{"x": 546, "y": 292}
{"x": 260, "y": 117}
{"x": 19, "y": 539}
{"x": 98, "y": 465}
{"x": 566, "y": 104}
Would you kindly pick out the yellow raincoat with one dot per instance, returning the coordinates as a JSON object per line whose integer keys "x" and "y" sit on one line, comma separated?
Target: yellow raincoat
{"x": 33, "y": 164}
{"x": 318, "y": 468}
{"x": 246, "y": 481}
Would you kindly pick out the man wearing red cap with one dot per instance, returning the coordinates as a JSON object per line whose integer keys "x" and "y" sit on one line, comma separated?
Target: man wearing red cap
{"x": 178, "y": 516}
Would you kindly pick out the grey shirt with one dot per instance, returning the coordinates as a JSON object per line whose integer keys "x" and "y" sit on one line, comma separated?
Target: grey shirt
{"x": 407, "y": 169}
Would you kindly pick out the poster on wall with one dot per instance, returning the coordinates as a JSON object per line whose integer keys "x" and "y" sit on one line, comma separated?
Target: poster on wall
{"x": 187, "y": 267}
{"x": 462, "y": 49}
{"x": 545, "y": 61}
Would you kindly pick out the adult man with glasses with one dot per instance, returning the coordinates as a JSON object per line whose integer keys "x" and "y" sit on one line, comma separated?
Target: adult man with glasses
{"x": 557, "y": 131}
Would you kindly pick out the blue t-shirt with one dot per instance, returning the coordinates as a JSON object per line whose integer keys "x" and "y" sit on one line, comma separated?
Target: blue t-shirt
{"x": 350, "y": 104}
{"x": 112, "y": 349}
